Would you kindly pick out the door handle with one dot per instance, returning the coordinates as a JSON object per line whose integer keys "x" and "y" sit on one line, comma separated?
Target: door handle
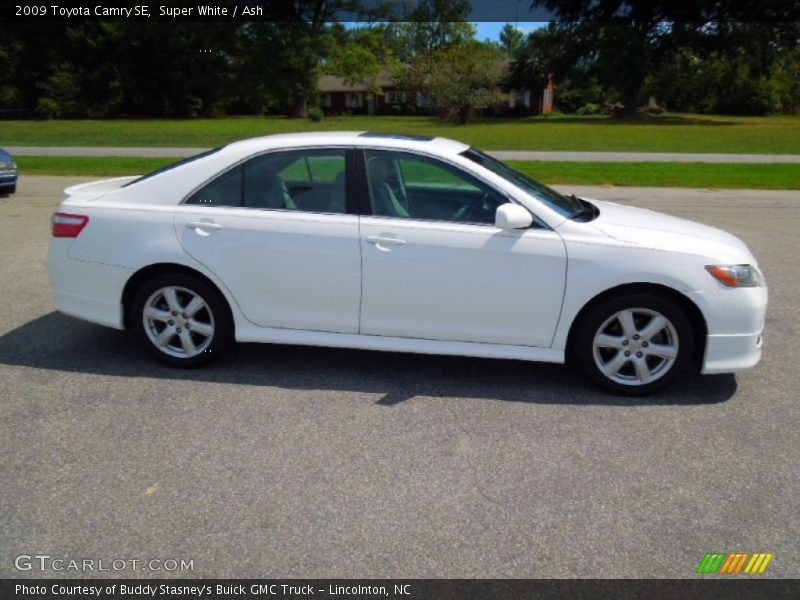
{"x": 204, "y": 225}
{"x": 379, "y": 239}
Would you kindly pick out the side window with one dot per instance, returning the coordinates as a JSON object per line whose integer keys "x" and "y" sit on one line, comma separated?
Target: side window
{"x": 225, "y": 190}
{"x": 415, "y": 187}
{"x": 304, "y": 180}
{"x": 421, "y": 174}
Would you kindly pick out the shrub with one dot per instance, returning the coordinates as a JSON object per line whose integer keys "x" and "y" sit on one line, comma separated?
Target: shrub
{"x": 590, "y": 108}
{"x": 48, "y": 108}
{"x": 315, "y": 114}
{"x": 190, "y": 106}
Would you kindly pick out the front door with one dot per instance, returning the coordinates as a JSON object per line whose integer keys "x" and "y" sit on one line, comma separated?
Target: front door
{"x": 435, "y": 266}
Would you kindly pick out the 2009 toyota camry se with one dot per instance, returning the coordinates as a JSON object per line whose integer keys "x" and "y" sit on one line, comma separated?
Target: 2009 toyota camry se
{"x": 408, "y": 243}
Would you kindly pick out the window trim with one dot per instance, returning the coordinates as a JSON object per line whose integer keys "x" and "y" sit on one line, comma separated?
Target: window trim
{"x": 365, "y": 206}
{"x": 351, "y": 175}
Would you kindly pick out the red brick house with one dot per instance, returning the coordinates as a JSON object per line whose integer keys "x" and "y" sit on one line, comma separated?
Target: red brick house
{"x": 338, "y": 96}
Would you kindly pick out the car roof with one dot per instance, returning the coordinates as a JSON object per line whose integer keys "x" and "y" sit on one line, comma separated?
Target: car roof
{"x": 4, "y": 154}
{"x": 400, "y": 141}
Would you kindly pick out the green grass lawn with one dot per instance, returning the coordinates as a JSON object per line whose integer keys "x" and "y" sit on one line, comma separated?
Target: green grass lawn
{"x": 665, "y": 133}
{"x": 704, "y": 175}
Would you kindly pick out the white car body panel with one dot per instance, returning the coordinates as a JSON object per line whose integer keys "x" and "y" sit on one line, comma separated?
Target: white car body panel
{"x": 460, "y": 282}
{"x": 473, "y": 290}
{"x": 286, "y": 268}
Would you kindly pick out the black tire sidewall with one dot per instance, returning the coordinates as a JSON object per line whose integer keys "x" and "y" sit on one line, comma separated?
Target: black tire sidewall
{"x": 223, "y": 325}
{"x": 583, "y": 351}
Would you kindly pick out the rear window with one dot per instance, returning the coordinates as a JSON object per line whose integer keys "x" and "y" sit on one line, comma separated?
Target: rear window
{"x": 174, "y": 165}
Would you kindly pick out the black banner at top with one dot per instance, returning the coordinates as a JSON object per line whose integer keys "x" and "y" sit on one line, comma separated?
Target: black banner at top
{"x": 320, "y": 11}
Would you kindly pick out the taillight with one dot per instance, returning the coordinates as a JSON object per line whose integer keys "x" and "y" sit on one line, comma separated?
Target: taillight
{"x": 65, "y": 225}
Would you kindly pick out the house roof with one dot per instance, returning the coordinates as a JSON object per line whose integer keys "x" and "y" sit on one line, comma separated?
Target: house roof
{"x": 334, "y": 83}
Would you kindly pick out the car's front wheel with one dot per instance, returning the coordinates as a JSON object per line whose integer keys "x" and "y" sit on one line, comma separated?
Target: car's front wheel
{"x": 181, "y": 320}
{"x": 634, "y": 344}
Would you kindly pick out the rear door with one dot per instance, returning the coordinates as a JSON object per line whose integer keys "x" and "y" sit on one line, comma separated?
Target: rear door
{"x": 278, "y": 232}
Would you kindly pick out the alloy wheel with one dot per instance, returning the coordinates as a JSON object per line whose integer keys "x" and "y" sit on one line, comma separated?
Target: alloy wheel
{"x": 635, "y": 346}
{"x": 178, "y": 322}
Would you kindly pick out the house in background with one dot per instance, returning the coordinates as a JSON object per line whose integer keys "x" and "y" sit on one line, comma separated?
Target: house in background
{"x": 530, "y": 103}
{"x": 338, "y": 96}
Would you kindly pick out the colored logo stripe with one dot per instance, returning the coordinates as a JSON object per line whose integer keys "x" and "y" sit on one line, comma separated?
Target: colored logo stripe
{"x": 734, "y": 562}
{"x": 758, "y": 563}
{"x": 711, "y": 562}
{"x": 724, "y": 563}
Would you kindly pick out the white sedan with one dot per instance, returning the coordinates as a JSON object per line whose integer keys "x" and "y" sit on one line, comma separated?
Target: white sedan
{"x": 406, "y": 243}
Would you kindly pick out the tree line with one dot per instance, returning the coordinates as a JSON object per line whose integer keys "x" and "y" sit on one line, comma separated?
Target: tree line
{"x": 189, "y": 69}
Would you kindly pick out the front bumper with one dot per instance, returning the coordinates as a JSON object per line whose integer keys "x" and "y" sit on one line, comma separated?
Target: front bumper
{"x": 8, "y": 178}
{"x": 732, "y": 353}
{"x": 735, "y": 321}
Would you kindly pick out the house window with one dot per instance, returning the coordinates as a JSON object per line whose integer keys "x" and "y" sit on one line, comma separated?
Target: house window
{"x": 325, "y": 101}
{"x": 519, "y": 98}
{"x": 424, "y": 100}
{"x": 354, "y": 100}
{"x": 395, "y": 97}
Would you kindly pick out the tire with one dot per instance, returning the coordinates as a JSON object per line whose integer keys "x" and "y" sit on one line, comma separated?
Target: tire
{"x": 653, "y": 330}
{"x": 160, "y": 317}
{"x": 7, "y": 191}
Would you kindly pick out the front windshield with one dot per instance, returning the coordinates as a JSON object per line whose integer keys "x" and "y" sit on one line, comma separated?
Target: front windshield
{"x": 564, "y": 205}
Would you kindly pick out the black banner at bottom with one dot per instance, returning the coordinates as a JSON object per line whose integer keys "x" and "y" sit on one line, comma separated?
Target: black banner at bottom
{"x": 394, "y": 589}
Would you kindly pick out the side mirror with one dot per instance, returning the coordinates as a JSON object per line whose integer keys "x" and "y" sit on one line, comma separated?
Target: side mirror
{"x": 512, "y": 216}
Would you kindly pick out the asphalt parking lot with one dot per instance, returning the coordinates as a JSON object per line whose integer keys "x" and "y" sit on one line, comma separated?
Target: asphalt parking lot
{"x": 306, "y": 462}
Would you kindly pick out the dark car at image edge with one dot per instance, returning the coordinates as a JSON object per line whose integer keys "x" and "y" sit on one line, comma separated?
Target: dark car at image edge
{"x": 8, "y": 173}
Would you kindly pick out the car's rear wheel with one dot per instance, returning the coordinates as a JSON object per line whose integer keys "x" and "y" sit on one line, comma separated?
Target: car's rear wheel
{"x": 181, "y": 320}
{"x": 634, "y": 344}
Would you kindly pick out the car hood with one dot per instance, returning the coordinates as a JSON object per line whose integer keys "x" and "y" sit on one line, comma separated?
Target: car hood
{"x": 651, "y": 229}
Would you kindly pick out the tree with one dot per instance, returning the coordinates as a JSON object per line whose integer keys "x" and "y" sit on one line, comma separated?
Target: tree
{"x": 543, "y": 53}
{"x": 364, "y": 55}
{"x": 434, "y": 24}
{"x": 733, "y": 68}
{"x": 511, "y": 39}
{"x": 459, "y": 78}
{"x": 624, "y": 41}
{"x": 289, "y": 46}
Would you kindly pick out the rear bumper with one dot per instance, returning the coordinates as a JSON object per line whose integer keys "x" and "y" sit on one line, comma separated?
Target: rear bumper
{"x": 86, "y": 290}
{"x": 735, "y": 322}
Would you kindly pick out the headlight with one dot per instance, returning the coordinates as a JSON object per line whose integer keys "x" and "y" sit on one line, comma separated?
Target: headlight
{"x": 6, "y": 165}
{"x": 734, "y": 276}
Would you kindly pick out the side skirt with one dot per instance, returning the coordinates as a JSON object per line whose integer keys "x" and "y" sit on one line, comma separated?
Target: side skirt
{"x": 251, "y": 333}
